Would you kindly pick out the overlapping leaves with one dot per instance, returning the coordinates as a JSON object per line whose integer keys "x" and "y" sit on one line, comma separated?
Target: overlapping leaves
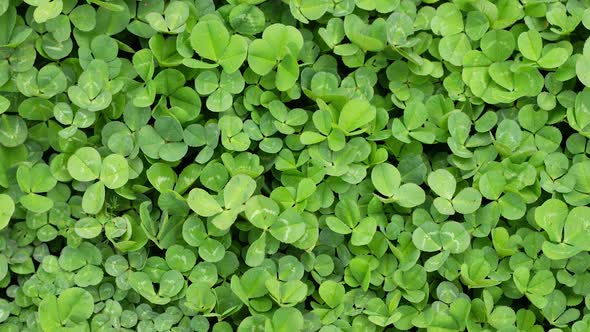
{"x": 297, "y": 165}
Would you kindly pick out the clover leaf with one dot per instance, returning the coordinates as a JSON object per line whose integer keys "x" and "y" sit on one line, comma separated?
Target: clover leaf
{"x": 295, "y": 165}
{"x": 212, "y": 41}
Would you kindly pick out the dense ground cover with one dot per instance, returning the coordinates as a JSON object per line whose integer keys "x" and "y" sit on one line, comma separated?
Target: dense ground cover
{"x": 294, "y": 165}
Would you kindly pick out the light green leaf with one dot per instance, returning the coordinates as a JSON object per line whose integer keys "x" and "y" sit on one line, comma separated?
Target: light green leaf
{"x": 238, "y": 190}
{"x": 209, "y": 39}
{"x": 203, "y": 203}
{"x": 410, "y": 195}
{"x": 551, "y": 216}
{"x": 289, "y": 227}
{"x": 530, "y": 45}
{"x": 261, "y": 211}
{"x": 93, "y": 199}
{"x": 443, "y": 183}
{"x": 452, "y": 48}
{"x": 468, "y": 200}
{"x": 7, "y": 210}
{"x": 332, "y": 293}
{"x": 363, "y": 233}
{"x": 85, "y": 164}
{"x": 114, "y": 171}
{"x": 386, "y": 179}
{"x": 355, "y": 114}
{"x": 577, "y": 228}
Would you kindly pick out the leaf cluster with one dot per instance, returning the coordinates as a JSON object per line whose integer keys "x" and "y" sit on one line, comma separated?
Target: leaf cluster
{"x": 294, "y": 165}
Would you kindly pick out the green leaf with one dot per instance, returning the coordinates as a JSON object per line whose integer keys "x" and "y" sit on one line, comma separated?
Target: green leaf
{"x": 83, "y": 17}
{"x": 492, "y": 184}
{"x": 180, "y": 259}
{"x": 261, "y": 57}
{"x": 513, "y": 206}
{"x": 75, "y": 305}
{"x": 509, "y": 134}
{"x": 410, "y": 195}
{"x": 7, "y": 210}
{"x": 583, "y": 69}
{"x": 161, "y": 176}
{"x": 36, "y": 179}
{"x": 176, "y": 14}
{"x": 551, "y": 216}
{"x": 143, "y": 62}
{"x": 193, "y": 231}
{"x": 337, "y": 226}
{"x": 261, "y": 211}
{"x": 454, "y": 237}
{"x": 13, "y": 130}
{"x": 247, "y": 19}
{"x": 427, "y": 237}
{"x": 287, "y": 319}
{"x": 442, "y": 183}
{"x": 85, "y": 164}
{"x": 386, "y": 179}
{"x": 256, "y": 251}
{"x": 498, "y": 45}
{"x": 452, "y": 48}
{"x": 234, "y": 54}
{"x": 238, "y": 190}
{"x": 577, "y": 228}
{"x": 88, "y": 228}
{"x": 558, "y": 251}
{"x": 521, "y": 278}
{"x": 355, "y": 114}
{"x": 203, "y": 203}
{"x": 530, "y": 45}
{"x": 47, "y": 10}
{"x": 363, "y": 233}
{"x": 211, "y": 251}
{"x": 200, "y": 297}
{"x": 448, "y": 20}
{"x": 285, "y": 39}
{"x": 171, "y": 283}
{"x": 400, "y": 26}
{"x": 468, "y": 200}
{"x": 209, "y": 39}
{"x": 114, "y": 171}
{"x": 287, "y": 73}
{"x": 288, "y": 227}
{"x": 502, "y": 316}
{"x": 332, "y": 293}
{"x": 36, "y": 203}
{"x": 93, "y": 199}
{"x": 542, "y": 283}
{"x": 554, "y": 57}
